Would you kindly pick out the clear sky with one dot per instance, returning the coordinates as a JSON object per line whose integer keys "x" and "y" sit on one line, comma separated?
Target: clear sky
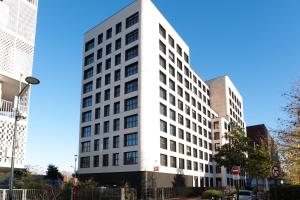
{"x": 255, "y": 42}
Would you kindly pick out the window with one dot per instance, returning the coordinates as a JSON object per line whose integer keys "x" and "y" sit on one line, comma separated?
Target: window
{"x": 85, "y": 162}
{"x": 130, "y": 158}
{"x": 181, "y": 134}
{"x": 179, "y": 50}
{"x": 117, "y": 91}
{"x": 188, "y": 137}
{"x": 99, "y": 68}
{"x": 106, "y": 127}
{"x": 97, "y": 113}
{"x": 87, "y": 102}
{"x": 105, "y": 143}
{"x": 117, "y": 107}
{"x": 87, "y": 116}
{"x": 217, "y": 146}
{"x": 108, "y": 64}
{"x": 162, "y": 62}
{"x": 130, "y": 139}
{"x": 172, "y": 145}
{"x": 118, "y": 44}
{"x": 163, "y": 126}
{"x": 85, "y": 146}
{"x": 180, "y": 119}
{"x": 132, "y": 36}
{"x": 99, "y": 53}
{"x": 90, "y": 44}
{"x": 171, "y": 41}
{"x": 216, "y": 125}
{"x": 163, "y": 93}
{"x": 162, "y": 47}
{"x": 188, "y": 151}
{"x": 98, "y": 82}
{"x": 131, "y": 103}
{"x": 195, "y": 166}
{"x": 131, "y": 69}
{"x": 162, "y": 31}
{"x": 116, "y": 125}
{"x": 116, "y": 159}
{"x": 162, "y": 77}
{"x": 96, "y": 161}
{"x": 88, "y": 73}
{"x": 171, "y": 70}
{"x": 133, "y": 19}
{"x": 118, "y": 59}
{"x": 131, "y": 121}
{"x": 131, "y": 86}
{"x": 195, "y": 153}
{"x": 105, "y": 159}
{"x": 107, "y": 79}
{"x": 108, "y": 49}
{"x": 96, "y": 145}
{"x": 172, "y": 115}
{"x": 201, "y": 155}
{"x": 117, "y": 75}
{"x": 216, "y": 135}
{"x": 180, "y": 105}
{"x": 171, "y": 56}
{"x": 88, "y": 87}
{"x": 106, "y": 94}
{"x": 172, "y": 130}
{"x": 179, "y": 90}
{"x": 163, "y": 109}
{"x": 181, "y": 163}
{"x": 163, "y": 143}
{"x": 108, "y": 33}
{"x": 189, "y": 165}
{"x": 100, "y": 38}
{"x": 186, "y": 58}
{"x": 173, "y": 162}
{"x": 172, "y": 99}
{"x": 181, "y": 148}
{"x": 179, "y": 64}
{"x": 116, "y": 141}
{"x": 86, "y": 131}
{"x": 119, "y": 28}
{"x": 97, "y": 129}
{"x": 163, "y": 160}
{"x": 171, "y": 85}
{"x": 131, "y": 53}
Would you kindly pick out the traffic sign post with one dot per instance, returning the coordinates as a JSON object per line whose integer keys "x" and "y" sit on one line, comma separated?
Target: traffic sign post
{"x": 275, "y": 171}
{"x": 235, "y": 170}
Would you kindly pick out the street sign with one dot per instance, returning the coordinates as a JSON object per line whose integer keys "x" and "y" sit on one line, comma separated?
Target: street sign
{"x": 235, "y": 170}
{"x": 156, "y": 168}
{"x": 275, "y": 170}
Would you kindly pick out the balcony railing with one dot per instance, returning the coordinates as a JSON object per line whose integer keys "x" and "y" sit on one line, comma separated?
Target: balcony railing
{"x": 7, "y": 108}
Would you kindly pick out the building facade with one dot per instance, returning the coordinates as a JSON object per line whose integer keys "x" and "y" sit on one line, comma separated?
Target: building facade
{"x": 17, "y": 37}
{"x": 146, "y": 116}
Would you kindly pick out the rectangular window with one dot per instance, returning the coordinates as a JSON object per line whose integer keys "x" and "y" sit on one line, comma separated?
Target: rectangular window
{"x": 117, "y": 91}
{"x": 162, "y": 62}
{"x": 108, "y": 49}
{"x": 181, "y": 134}
{"x": 172, "y": 115}
{"x": 116, "y": 107}
{"x": 107, "y": 79}
{"x": 181, "y": 148}
{"x": 99, "y": 68}
{"x": 173, "y": 162}
{"x": 87, "y": 102}
{"x": 87, "y": 87}
{"x": 118, "y": 44}
{"x": 85, "y": 162}
{"x": 171, "y": 56}
{"x": 116, "y": 141}
{"x": 131, "y": 69}
{"x": 131, "y": 86}
{"x": 188, "y": 151}
{"x": 162, "y": 77}
{"x": 163, "y": 93}
{"x": 131, "y": 53}
{"x": 116, "y": 125}
{"x": 85, "y": 146}
{"x": 105, "y": 159}
{"x": 98, "y": 82}
{"x": 131, "y": 103}
{"x": 130, "y": 139}
{"x": 96, "y": 161}
{"x": 130, "y": 158}
{"x": 179, "y": 50}
{"x": 132, "y": 20}
{"x": 107, "y": 64}
{"x": 172, "y": 99}
{"x": 106, "y": 127}
{"x": 108, "y": 33}
{"x": 88, "y": 73}
{"x": 90, "y": 44}
{"x": 117, "y": 59}
{"x": 100, "y": 38}
{"x": 86, "y": 131}
{"x": 105, "y": 143}
{"x": 131, "y": 121}
{"x": 96, "y": 145}
{"x": 116, "y": 159}
{"x": 97, "y": 113}
{"x": 163, "y": 143}
{"x": 132, "y": 36}
{"x": 106, "y": 94}
{"x": 162, "y": 47}
{"x": 171, "y": 41}
{"x": 118, "y": 27}
{"x": 86, "y": 116}
{"x": 172, "y": 130}
{"x": 163, "y": 109}
{"x": 117, "y": 75}
{"x": 163, "y": 126}
{"x": 171, "y": 85}
{"x": 97, "y": 129}
{"x": 163, "y": 160}
{"x": 216, "y": 135}
{"x": 171, "y": 70}
{"x": 189, "y": 165}
{"x": 162, "y": 31}
{"x": 186, "y": 58}
{"x": 99, "y": 53}
{"x": 181, "y": 163}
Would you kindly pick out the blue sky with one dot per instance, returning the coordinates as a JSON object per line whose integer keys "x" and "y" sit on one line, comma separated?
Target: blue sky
{"x": 255, "y": 42}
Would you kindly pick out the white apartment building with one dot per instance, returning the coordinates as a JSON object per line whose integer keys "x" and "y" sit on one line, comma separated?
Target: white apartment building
{"x": 146, "y": 116}
{"x": 17, "y": 37}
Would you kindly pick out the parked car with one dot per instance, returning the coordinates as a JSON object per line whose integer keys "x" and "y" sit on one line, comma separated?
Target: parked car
{"x": 246, "y": 195}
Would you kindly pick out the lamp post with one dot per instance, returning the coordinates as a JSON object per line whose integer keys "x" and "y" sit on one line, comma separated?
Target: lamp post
{"x": 30, "y": 81}
{"x": 75, "y": 182}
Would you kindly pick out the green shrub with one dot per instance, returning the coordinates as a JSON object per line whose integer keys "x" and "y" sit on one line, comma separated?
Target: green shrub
{"x": 285, "y": 192}
{"x": 212, "y": 193}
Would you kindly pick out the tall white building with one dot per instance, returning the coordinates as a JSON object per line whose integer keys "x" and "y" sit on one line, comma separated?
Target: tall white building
{"x": 146, "y": 116}
{"x": 17, "y": 37}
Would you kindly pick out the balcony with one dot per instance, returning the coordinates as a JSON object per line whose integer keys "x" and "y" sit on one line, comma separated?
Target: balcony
{"x": 7, "y": 108}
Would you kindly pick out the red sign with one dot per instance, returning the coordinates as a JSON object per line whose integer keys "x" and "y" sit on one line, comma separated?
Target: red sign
{"x": 235, "y": 170}
{"x": 75, "y": 181}
{"x": 275, "y": 171}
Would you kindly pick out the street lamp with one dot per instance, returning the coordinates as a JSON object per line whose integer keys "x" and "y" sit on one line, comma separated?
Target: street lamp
{"x": 30, "y": 81}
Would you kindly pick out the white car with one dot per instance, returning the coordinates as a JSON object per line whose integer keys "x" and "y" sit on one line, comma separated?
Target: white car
{"x": 246, "y": 195}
